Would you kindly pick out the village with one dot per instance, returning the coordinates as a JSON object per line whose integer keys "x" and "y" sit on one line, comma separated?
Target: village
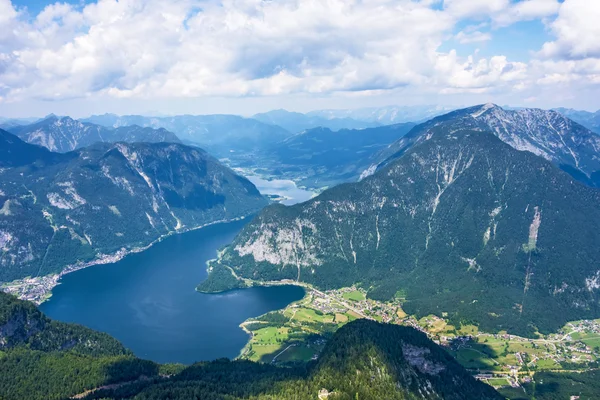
{"x": 499, "y": 359}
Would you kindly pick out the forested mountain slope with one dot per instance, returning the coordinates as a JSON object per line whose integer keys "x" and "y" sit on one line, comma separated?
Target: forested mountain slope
{"x": 364, "y": 359}
{"x": 460, "y": 223}
{"x": 14, "y": 152}
{"x": 106, "y": 198}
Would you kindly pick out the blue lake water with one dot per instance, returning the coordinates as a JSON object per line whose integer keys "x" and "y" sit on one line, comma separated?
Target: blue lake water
{"x": 148, "y": 300}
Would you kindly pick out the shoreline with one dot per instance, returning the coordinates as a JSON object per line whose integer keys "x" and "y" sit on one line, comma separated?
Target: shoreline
{"x": 44, "y": 285}
{"x": 307, "y": 290}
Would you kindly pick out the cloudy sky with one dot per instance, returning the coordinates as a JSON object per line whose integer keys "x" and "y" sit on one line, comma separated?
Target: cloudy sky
{"x": 244, "y": 56}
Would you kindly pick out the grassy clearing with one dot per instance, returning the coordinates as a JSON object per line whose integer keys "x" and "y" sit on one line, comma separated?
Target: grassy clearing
{"x": 498, "y": 382}
{"x": 299, "y": 353}
{"x": 400, "y": 313}
{"x": 310, "y": 315}
{"x": 354, "y": 296}
{"x": 472, "y": 359}
{"x": 341, "y": 318}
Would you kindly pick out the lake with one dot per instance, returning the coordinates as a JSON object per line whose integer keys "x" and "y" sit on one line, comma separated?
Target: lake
{"x": 285, "y": 188}
{"x": 148, "y": 300}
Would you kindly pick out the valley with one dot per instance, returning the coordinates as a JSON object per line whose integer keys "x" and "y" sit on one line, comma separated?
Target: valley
{"x": 298, "y": 334}
{"x": 449, "y": 210}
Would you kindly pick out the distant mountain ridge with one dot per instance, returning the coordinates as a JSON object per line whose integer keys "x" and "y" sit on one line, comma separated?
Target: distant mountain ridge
{"x": 590, "y": 120}
{"x": 63, "y": 134}
{"x": 222, "y": 135}
{"x": 322, "y": 157}
{"x": 385, "y": 115}
{"x": 297, "y": 122}
{"x": 81, "y": 206}
{"x": 545, "y": 133}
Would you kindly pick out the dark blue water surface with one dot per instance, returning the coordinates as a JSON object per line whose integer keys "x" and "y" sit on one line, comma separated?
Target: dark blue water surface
{"x": 148, "y": 301}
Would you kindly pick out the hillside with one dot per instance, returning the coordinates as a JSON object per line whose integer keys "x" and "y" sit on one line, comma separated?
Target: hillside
{"x": 461, "y": 224}
{"x": 108, "y": 199}
{"x": 66, "y": 134}
{"x": 364, "y": 359}
{"x": 548, "y": 134}
{"x": 14, "y": 152}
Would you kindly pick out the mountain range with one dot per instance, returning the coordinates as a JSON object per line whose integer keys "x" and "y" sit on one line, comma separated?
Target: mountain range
{"x": 384, "y": 115}
{"x": 321, "y": 157}
{"x": 590, "y": 120}
{"x": 545, "y": 133}
{"x": 364, "y": 359}
{"x": 454, "y": 221}
{"x": 63, "y": 134}
{"x": 60, "y": 210}
{"x": 222, "y": 135}
{"x": 297, "y": 122}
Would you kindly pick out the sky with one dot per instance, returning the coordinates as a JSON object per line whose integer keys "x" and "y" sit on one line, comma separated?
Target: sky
{"x": 84, "y": 57}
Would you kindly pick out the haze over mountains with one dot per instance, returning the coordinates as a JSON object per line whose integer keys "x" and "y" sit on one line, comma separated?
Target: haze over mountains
{"x": 297, "y": 122}
{"x": 321, "y": 157}
{"x": 221, "y": 135}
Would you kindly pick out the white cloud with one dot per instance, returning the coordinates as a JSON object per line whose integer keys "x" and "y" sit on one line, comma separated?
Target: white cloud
{"x": 502, "y": 12}
{"x": 464, "y": 37}
{"x": 146, "y": 49}
{"x": 475, "y": 75}
{"x": 577, "y": 30}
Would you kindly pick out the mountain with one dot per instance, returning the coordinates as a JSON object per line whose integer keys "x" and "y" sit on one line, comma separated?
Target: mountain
{"x": 548, "y": 134}
{"x": 384, "y": 115}
{"x": 55, "y": 360}
{"x": 9, "y": 123}
{"x": 364, "y": 359}
{"x": 107, "y": 199}
{"x": 221, "y": 135}
{"x": 588, "y": 119}
{"x": 14, "y": 152}
{"x": 63, "y": 134}
{"x": 297, "y": 122}
{"x": 460, "y": 224}
{"x": 321, "y": 157}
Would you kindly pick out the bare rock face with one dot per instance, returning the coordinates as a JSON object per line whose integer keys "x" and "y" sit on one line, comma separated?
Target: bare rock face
{"x": 417, "y": 357}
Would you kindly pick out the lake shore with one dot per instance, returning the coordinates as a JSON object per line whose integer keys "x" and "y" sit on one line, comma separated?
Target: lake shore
{"x": 39, "y": 289}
